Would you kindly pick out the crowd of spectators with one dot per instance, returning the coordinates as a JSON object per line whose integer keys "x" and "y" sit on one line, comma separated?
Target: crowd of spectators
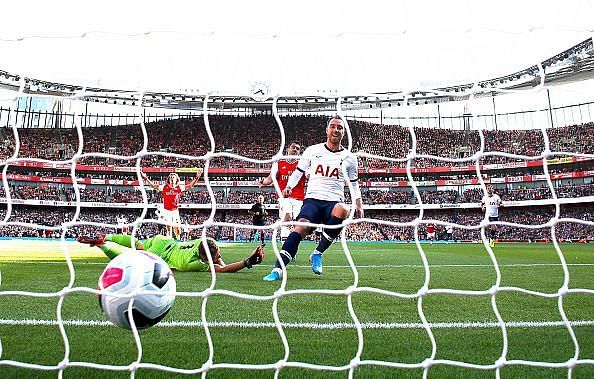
{"x": 258, "y": 137}
{"x": 474, "y": 195}
{"x": 438, "y": 197}
{"x": 531, "y": 193}
{"x": 247, "y": 197}
{"x": 391, "y": 197}
{"x": 574, "y": 138}
{"x": 526, "y": 219}
{"x": 39, "y": 193}
{"x": 120, "y": 194}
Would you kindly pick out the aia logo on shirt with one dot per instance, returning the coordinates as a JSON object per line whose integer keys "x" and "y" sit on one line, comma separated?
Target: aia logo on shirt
{"x": 326, "y": 171}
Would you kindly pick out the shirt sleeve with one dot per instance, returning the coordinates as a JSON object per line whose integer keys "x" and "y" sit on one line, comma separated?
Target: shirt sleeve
{"x": 352, "y": 169}
{"x": 302, "y": 167}
{"x": 353, "y": 176}
{"x": 304, "y": 161}
{"x": 274, "y": 170}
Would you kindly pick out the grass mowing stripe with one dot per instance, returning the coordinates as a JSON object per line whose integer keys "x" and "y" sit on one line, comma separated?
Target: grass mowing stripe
{"x": 312, "y": 325}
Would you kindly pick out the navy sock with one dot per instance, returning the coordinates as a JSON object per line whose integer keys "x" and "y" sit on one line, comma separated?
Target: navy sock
{"x": 328, "y": 235}
{"x": 290, "y": 246}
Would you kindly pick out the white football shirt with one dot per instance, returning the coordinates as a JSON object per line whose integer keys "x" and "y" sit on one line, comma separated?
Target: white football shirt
{"x": 324, "y": 169}
{"x": 491, "y": 205}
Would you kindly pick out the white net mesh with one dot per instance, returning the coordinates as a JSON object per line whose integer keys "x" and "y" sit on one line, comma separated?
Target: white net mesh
{"x": 416, "y": 154}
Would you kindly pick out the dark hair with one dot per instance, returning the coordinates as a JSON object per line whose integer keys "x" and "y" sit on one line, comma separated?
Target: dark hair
{"x": 335, "y": 117}
{"x": 212, "y": 248}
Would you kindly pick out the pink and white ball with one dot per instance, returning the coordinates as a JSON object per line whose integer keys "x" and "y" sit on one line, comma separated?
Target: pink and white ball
{"x": 137, "y": 271}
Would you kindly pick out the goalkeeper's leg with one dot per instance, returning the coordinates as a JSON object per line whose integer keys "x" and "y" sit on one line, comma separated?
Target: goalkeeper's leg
{"x": 123, "y": 240}
{"x": 99, "y": 241}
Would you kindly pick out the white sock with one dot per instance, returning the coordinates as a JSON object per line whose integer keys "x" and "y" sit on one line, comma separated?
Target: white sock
{"x": 278, "y": 270}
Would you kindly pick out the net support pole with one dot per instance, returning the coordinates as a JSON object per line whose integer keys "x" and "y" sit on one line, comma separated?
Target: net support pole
{"x": 550, "y": 108}
{"x": 438, "y": 117}
{"x": 494, "y": 113}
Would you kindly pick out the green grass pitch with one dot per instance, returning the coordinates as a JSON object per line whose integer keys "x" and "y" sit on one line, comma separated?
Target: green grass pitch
{"x": 318, "y": 327}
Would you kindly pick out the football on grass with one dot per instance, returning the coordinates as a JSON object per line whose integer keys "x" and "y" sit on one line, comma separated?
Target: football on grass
{"x": 144, "y": 275}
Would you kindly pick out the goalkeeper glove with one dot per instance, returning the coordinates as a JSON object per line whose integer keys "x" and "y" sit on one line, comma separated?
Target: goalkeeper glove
{"x": 254, "y": 259}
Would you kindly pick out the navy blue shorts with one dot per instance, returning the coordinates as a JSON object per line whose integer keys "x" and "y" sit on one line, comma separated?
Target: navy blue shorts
{"x": 493, "y": 218}
{"x": 317, "y": 211}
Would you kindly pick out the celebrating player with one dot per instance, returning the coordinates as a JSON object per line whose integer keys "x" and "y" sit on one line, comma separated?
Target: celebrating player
{"x": 431, "y": 232}
{"x": 172, "y": 190}
{"x": 490, "y": 205}
{"x": 324, "y": 199}
{"x": 259, "y": 214}
{"x": 288, "y": 206}
{"x": 180, "y": 256}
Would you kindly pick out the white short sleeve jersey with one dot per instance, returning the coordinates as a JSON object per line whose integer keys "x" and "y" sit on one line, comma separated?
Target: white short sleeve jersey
{"x": 324, "y": 169}
{"x": 491, "y": 204}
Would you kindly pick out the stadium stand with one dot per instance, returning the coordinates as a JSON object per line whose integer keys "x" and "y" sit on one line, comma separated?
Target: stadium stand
{"x": 257, "y": 137}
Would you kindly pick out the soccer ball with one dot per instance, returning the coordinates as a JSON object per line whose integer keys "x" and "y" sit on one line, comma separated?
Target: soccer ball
{"x": 142, "y": 271}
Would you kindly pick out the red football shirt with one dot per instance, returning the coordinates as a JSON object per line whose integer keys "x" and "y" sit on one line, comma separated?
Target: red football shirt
{"x": 285, "y": 169}
{"x": 171, "y": 197}
{"x": 430, "y": 228}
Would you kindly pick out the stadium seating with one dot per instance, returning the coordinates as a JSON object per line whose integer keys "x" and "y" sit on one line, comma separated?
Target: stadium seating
{"x": 258, "y": 137}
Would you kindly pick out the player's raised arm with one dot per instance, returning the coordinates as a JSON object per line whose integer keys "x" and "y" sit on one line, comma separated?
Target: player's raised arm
{"x": 194, "y": 181}
{"x": 149, "y": 182}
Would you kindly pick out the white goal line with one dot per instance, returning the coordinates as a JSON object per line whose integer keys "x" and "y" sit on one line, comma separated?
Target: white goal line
{"x": 74, "y": 261}
{"x": 455, "y": 265}
{"x": 311, "y": 325}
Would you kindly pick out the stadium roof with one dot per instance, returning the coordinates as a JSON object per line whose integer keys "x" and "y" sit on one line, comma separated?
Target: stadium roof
{"x": 571, "y": 65}
{"x": 310, "y": 49}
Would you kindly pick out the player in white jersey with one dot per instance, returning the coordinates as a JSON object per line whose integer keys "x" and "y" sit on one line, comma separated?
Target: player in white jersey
{"x": 450, "y": 234}
{"x": 490, "y": 205}
{"x": 324, "y": 198}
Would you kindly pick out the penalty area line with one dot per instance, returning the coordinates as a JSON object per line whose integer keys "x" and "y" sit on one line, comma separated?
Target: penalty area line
{"x": 310, "y": 325}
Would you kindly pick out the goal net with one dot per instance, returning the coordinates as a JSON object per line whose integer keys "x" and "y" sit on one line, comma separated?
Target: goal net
{"x": 424, "y": 284}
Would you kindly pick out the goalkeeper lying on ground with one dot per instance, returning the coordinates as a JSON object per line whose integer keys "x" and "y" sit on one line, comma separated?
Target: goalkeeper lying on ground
{"x": 180, "y": 256}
